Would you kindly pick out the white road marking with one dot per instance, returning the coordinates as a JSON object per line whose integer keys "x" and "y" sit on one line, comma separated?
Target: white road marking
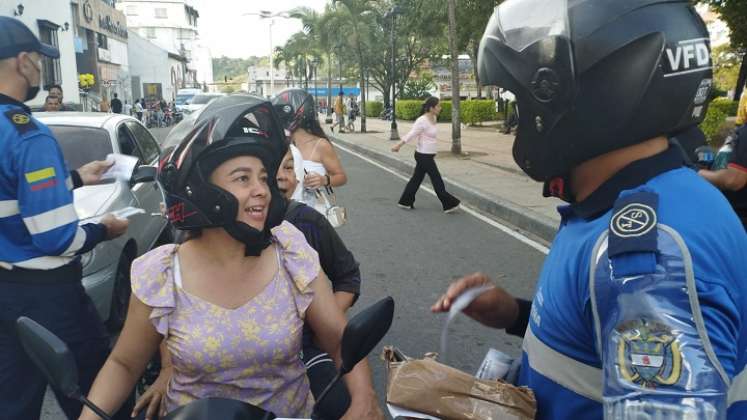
{"x": 503, "y": 228}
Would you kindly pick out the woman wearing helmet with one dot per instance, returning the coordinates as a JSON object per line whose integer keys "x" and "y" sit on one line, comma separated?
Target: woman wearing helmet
{"x": 641, "y": 305}
{"x": 230, "y": 303}
{"x": 320, "y": 161}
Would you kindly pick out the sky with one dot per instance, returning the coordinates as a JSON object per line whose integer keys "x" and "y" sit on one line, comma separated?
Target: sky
{"x": 226, "y": 32}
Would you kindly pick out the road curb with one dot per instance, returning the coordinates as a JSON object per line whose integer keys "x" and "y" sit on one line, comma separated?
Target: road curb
{"x": 518, "y": 216}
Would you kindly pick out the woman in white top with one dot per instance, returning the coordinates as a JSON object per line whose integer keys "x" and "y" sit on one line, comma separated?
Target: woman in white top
{"x": 425, "y": 131}
{"x": 320, "y": 161}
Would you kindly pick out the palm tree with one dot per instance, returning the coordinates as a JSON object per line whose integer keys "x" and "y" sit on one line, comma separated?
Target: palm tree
{"x": 359, "y": 17}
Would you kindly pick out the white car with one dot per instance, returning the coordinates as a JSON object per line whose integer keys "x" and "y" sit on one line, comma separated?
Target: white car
{"x": 85, "y": 137}
{"x": 198, "y": 102}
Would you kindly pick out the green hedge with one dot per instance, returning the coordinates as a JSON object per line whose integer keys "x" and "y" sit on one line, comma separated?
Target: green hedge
{"x": 714, "y": 119}
{"x": 471, "y": 112}
{"x": 477, "y": 111}
{"x": 726, "y": 105}
{"x": 374, "y": 108}
{"x": 408, "y": 109}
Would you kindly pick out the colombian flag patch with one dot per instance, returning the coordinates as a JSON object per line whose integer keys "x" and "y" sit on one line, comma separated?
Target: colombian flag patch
{"x": 41, "y": 179}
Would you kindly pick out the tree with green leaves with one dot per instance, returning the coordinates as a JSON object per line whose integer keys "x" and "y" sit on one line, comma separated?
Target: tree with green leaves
{"x": 471, "y": 19}
{"x": 734, "y": 13}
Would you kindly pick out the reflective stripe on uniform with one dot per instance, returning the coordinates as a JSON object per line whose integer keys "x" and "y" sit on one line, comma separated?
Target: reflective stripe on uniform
{"x": 77, "y": 243}
{"x": 43, "y": 263}
{"x": 9, "y": 208}
{"x": 578, "y": 377}
{"x": 738, "y": 388}
{"x": 50, "y": 220}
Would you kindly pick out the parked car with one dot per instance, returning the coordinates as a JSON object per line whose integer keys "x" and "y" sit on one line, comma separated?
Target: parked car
{"x": 198, "y": 102}
{"x": 183, "y": 96}
{"x": 85, "y": 137}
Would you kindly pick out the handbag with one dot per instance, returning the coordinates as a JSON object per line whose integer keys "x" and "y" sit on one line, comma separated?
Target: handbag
{"x": 326, "y": 204}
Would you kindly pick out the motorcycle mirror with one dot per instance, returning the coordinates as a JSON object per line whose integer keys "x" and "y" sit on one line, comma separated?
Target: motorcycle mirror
{"x": 143, "y": 173}
{"x": 361, "y": 335}
{"x": 364, "y": 331}
{"x": 50, "y": 355}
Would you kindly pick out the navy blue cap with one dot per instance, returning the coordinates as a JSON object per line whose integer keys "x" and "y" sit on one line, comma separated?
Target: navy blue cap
{"x": 15, "y": 38}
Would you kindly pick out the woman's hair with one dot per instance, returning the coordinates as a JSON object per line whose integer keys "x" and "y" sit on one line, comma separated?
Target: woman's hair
{"x": 429, "y": 103}
{"x": 313, "y": 127}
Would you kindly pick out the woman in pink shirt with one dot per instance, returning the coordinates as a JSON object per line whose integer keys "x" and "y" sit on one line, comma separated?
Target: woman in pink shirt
{"x": 425, "y": 131}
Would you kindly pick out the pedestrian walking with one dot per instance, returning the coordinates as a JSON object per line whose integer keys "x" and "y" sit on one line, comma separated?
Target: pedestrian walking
{"x": 127, "y": 108}
{"x": 641, "y": 305}
{"x": 40, "y": 268}
{"x": 339, "y": 109}
{"x": 425, "y": 130}
{"x": 116, "y": 105}
{"x": 139, "y": 110}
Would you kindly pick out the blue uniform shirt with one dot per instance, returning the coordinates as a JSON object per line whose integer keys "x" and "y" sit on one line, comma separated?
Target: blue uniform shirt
{"x": 38, "y": 223}
{"x": 560, "y": 361}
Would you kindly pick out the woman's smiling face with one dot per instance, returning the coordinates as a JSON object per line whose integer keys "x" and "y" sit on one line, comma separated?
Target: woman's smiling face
{"x": 246, "y": 178}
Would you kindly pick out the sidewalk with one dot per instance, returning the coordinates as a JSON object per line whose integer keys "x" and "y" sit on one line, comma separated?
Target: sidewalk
{"x": 484, "y": 177}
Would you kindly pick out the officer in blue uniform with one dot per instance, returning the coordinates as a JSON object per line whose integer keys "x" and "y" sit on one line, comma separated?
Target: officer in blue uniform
{"x": 40, "y": 237}
{"x": 641, "y": 305}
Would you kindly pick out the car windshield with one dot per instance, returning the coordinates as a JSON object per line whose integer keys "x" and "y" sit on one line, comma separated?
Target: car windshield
{"x": 81, "y": 145}
{"x": 203, "y": 99}
{"x": 181, "y": 99}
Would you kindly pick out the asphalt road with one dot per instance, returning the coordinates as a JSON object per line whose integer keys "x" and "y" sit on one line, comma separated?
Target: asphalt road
{"x": 413, "y": 256}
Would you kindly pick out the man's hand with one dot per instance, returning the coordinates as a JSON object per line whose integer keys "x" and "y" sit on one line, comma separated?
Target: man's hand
{"x": 366, "y": 408}
{"x": 493, "y": 308}
{"x": 396, "y": 147}
{"x": 114, "y": 226}
{"x": 153, "y": 397}
{"x": 91, "y": 172}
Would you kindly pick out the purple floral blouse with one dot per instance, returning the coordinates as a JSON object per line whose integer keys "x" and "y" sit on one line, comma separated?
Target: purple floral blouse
{"x": 251, "y": 353}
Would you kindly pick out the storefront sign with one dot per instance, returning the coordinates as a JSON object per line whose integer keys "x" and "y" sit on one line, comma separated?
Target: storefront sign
{"x": 98, "y": 16}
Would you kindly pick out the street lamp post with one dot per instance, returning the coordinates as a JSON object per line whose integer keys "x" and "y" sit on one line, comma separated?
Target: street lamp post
{"x": 393, "y": 133}
{"x": 266, "y": 14}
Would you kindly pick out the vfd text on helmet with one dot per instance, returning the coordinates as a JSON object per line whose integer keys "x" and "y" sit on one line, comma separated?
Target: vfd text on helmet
{"x": 688, "y": 56}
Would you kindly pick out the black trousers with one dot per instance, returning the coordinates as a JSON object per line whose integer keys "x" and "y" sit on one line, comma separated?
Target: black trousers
{"x": 426, "y": 164}
{"x": 67, "y": 311}
{"x": 320, "y": 368}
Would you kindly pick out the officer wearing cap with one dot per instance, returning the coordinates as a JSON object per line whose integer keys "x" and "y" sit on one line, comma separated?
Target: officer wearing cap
{"x": 40, "y": 236}
{"x": 641, "y": 306}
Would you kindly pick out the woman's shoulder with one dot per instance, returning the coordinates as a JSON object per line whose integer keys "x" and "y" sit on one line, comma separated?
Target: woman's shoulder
{"x": 152, "y": 276}
{"x": 298, "y": 257}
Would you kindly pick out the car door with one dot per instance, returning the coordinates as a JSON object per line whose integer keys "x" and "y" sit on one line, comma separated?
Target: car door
{"x": 149, "y": 194}
{"x": 146, "y": 196}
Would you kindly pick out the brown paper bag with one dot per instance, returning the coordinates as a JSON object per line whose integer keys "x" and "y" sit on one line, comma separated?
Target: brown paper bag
{"x": 429, "y": 387}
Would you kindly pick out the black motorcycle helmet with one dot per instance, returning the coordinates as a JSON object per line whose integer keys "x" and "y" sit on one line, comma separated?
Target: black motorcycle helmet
{"x": 298, "y": 108}
{"x": 592, "y": 76}
{"x": 228, "y": 127}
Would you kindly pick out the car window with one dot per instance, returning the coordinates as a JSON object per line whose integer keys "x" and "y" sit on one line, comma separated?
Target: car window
{"x": 127, "y": 144}
{"x": 145, "y": 140}
{"x": 81, "y": 145}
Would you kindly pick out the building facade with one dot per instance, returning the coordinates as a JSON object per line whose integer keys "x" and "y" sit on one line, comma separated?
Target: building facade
{"x": 150, "y": 69}
{"x": 172, "y": 25}
{"x": 52, "y": 21}
{"x": 101, "y": 46}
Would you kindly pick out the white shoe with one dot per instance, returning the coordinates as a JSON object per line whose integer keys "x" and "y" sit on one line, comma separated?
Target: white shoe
{"x": 402, "y": 206}
{"x": 453, "y": 209}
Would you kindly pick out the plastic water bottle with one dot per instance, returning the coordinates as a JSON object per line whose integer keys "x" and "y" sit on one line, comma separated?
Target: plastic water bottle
{"x": 495, "y": 365}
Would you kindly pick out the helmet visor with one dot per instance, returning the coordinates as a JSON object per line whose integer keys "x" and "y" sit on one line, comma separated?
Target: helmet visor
{"x": 521, "y": 23}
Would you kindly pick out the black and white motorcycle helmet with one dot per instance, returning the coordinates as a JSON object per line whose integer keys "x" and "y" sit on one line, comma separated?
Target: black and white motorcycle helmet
{"x": 228, "y": 127}
{"x": 592, "y": 76}
{"x": 296, "y": 107}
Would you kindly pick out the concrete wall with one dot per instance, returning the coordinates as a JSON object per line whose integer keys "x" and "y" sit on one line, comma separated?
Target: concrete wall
{"x": 150, "y": 63}
{"x": 58, "y": 12}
